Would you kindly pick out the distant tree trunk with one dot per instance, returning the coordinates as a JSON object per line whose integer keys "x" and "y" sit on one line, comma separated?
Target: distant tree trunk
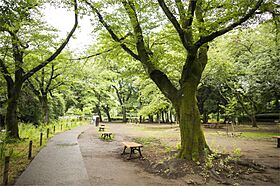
{"x": 277, "y": 105}
{"x": 162, "y": 116}
{"x": 170, "y": 113}
{"x": 254, "y": 121}
{"x": 99, "y": 112}
{"x": 45, "y": 107}
{"x": 140, "y": 119}
{"x": 151, "y": 119}
{"x": 167, "y": 116}
{"x": 107, "y": 112}
{"x": 158, "y": 118}
{"x": 205, "y": 117}
{"x": 124, "y": 113}
{"x": 218, "y": 113}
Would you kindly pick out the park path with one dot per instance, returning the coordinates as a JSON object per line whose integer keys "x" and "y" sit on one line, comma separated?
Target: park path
{"x": 59, "y": 163}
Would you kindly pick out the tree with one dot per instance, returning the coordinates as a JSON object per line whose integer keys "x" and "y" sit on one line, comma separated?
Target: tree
{"x": 18, "y": 24}
{"x": 47, "y": 80}
{"x": 197, "y": 26}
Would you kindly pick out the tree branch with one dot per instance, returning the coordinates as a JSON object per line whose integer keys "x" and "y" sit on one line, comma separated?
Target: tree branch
{"x": 51, "y": 78}
{"x": 111, "y": 32}
{"x": 173, "y": 20}
{"x": 5, "y": 72}
{"x": 213, "y": 35}
{"x": 59, "y": 50}
{"x": 181, "y": 9}
{"x": 33, "y": 88}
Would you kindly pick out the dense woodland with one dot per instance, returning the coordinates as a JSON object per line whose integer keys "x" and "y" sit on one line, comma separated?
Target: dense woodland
{"x": 148, "y": 64}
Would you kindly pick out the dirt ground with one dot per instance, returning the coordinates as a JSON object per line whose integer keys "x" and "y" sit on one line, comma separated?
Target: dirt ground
{"x": 259, "y": 162}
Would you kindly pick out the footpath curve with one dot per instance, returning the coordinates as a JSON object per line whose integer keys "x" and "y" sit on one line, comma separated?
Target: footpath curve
{"x": 59, "y": 163}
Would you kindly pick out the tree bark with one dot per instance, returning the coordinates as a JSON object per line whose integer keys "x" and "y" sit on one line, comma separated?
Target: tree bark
{"x": 162, "y": 117}
{"x": 45, "y": 106}
{"x": 193, "y": 141}
{"x": 254, "y": 121}
{"x": 167, "y": 116}
{"x": 107, "y": 112}
{"x": 205, "y": 117}
{"x": 124, "y": 113}
{"x": 11, "y": 115}
{"x": 170, "y": 115}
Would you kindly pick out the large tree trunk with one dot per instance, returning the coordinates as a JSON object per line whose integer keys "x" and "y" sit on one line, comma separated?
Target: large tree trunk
{"x": 11, "y": 115}
{"x": 193, "y": 141}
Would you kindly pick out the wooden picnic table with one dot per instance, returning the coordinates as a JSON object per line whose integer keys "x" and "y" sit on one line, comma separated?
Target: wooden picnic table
{"x": 133, "y": 147}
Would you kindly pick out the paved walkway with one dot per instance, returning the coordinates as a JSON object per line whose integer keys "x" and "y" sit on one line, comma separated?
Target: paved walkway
{"x": 59, "y": 163}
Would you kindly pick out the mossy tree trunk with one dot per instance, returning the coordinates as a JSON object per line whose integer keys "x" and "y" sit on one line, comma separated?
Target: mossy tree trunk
{"x": 192, "y": 138}
{"x": 11, "y": 121}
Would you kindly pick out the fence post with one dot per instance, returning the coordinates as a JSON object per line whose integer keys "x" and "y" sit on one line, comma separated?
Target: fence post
{"x": 6, "y": 170}
{"x": 41, "y": 138}
{"x": 54, "y": 129}
{"x": 30, "y": 150}
{"x": 48, "y": 131}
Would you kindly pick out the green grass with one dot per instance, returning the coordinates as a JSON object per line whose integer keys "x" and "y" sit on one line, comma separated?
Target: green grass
{"x": 18, "y": 149}
{"x": 259, "y": 135}
{"x": 146, "y": 140}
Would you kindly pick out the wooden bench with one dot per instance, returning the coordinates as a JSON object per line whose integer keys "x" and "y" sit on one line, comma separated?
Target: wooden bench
{"x": 133, "y": 146}
{"x": 278, "y": 141}
{"x": 101, "y": 128}
{"x": 106, "y": 134}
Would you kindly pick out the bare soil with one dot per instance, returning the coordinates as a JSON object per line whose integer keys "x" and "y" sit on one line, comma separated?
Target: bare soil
{"x": 251, "y": 161}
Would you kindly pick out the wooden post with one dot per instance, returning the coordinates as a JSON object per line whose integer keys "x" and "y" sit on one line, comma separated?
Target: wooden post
{"x": 6, "y": 170}
{"x": 48, "y": 131}
{"x": 30, "y": 150}
{"x": 54, "y": 129}
{"x": 41, "y": 138}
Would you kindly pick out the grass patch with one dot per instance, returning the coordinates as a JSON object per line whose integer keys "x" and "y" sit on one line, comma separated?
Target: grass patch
{"x": 146, "y": 140}
{"x": 259, "y": 135}
{"x": 18, "y": 149}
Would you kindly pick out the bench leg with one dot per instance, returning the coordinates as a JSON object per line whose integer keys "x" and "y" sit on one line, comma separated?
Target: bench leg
{"x": 124, "y": 150}
{"x": 139, "y": 149}
{"x": 131, "y": 151}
